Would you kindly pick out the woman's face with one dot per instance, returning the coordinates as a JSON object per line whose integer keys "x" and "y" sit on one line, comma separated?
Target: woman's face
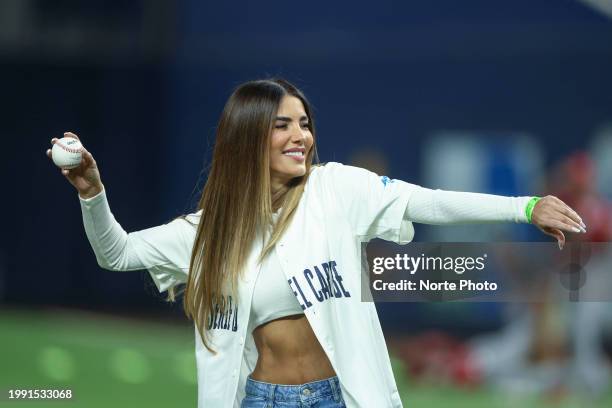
{"x": 290, "y": 142}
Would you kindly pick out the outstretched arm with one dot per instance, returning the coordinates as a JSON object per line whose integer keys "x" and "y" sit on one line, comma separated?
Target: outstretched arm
{"x": 442, "y": 207}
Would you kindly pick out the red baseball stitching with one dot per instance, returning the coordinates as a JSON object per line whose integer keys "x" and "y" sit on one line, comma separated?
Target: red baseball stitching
{"x": 69, "y": 149}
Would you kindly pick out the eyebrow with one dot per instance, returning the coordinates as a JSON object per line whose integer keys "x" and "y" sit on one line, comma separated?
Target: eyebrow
{"x": 287, "y": 119}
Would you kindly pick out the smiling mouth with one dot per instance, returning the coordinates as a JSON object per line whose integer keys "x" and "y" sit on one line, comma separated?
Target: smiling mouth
{"x": 295, "y": 154}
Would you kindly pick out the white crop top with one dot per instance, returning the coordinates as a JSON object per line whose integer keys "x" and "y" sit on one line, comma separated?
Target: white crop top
{"x": 272, "y": 296}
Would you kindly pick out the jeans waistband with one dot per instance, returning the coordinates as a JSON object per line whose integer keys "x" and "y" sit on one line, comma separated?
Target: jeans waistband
{"x": 300, "y": 392}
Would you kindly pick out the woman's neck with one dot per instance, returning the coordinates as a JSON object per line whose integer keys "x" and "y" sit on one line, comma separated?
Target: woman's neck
{"x": 278, "y": 196}
{"x": 277, "y": 185}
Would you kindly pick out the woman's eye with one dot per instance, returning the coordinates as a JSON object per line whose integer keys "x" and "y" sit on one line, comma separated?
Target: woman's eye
{"x": 284, "y": 126}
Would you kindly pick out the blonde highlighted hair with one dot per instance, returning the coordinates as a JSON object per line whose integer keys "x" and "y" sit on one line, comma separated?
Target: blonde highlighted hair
{"x": 237, "y": 199}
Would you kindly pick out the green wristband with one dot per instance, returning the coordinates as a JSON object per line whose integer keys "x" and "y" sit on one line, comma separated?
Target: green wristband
{"x": 529, "y": 208}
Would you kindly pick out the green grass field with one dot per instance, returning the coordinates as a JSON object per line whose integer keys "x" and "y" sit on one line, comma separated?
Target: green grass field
{"x": 112, "y": 362}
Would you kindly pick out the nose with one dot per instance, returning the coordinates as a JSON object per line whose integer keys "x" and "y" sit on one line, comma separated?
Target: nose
{"x": 299, "y": 134}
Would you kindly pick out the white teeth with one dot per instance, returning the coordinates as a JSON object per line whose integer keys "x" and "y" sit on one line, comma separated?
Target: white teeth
{"x": 294, "y": 153}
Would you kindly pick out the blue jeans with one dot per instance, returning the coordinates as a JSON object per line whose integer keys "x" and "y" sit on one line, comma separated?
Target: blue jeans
{"x": 317, "y": 394}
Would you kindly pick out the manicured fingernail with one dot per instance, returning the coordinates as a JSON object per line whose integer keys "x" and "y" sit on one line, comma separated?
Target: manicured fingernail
{"x": 560, "y": 246}
{"x": 582, "y": 224}
{"x": 576, "y": 229}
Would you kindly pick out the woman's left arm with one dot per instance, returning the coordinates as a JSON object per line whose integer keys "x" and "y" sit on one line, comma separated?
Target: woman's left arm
{"x": 442, "y": 207}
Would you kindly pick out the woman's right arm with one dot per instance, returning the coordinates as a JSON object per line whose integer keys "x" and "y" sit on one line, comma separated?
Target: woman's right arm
{"x": 161, "y": 246}
{"x": 164, "y": 250}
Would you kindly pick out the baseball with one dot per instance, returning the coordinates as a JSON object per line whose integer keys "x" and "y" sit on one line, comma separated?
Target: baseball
{"x": 67, "y": 153}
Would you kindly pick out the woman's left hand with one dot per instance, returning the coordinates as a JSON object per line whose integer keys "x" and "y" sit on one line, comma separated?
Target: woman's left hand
{"x": 553, "y": 216}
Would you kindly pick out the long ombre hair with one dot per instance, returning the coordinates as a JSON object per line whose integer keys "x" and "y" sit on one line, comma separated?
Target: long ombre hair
{"x": 237, "y": 200}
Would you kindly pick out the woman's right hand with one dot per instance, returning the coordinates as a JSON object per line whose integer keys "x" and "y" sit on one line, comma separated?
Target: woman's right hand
{"x": 86, "y": 177}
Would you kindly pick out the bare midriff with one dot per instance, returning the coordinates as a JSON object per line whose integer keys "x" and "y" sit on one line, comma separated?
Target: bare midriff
{"x": 289, "y": 352}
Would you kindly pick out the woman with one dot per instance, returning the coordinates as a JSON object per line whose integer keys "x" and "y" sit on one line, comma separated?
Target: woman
{"x": 267, "y": 218}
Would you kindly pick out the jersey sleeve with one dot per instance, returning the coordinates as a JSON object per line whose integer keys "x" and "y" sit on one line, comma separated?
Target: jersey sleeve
{"x": 441, "y": 207}
{"x": 164, "y": 250}
{"x": 375, "y": 206}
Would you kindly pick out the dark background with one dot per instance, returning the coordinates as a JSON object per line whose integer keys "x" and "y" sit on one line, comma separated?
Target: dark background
{"x": 143, "y": 83}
